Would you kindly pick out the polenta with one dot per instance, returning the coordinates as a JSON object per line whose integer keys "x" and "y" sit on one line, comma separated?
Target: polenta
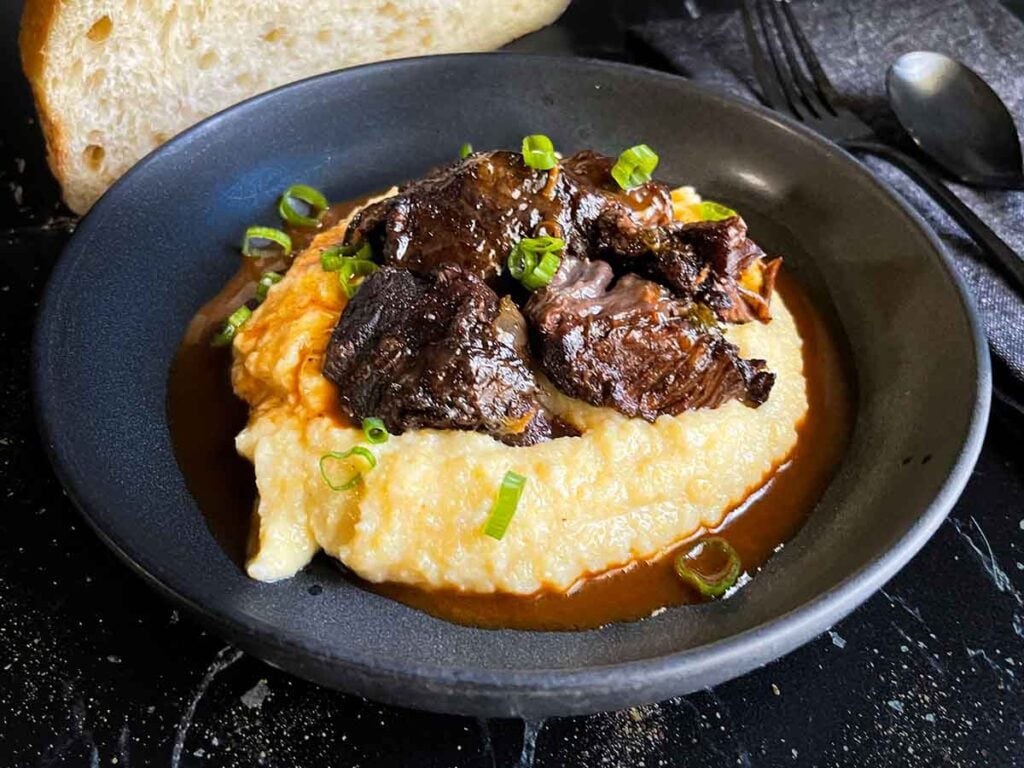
{"x": 624, "y": 489}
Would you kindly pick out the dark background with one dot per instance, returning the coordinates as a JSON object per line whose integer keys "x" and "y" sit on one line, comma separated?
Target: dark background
{"x": 96, "y": 669}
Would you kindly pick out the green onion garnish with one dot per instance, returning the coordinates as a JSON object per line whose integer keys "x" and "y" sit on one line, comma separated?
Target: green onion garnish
{"x": 352, "y": 482}
{"x": 542, "y": 274}
{"x": 267, "y": 279}
{"x": 505, "y": 505}
{"x": 465, "y": 150}
{"x": 331, "y": 258}
{"x": 352, "y": 262}
{"x": 712, "y": 211}
{"x": 635, "y": 166}
{"x": 714, "y": 578}
{"x": 352, "y": 273}
{"x": 534, "y": 261}
{"x": 260, "y": 242}
{"x": 311, "y": 202}
{"x": 375, "y": 430}
{"x": 229, "y": 330}
{"x": 539, "y": 152}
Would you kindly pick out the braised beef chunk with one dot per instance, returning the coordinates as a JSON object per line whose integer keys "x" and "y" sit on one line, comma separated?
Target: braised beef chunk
{"x": 739, "y": 281}
{"x": 472, "y": 212}
{"x": 437, "y": 350}
{"x": 593, "y": 193}
{"x": 711, "y": 262}
{"x": 426, "y": 342}
{"x": 466, "y": 213}
{"x": 636, "y": 348}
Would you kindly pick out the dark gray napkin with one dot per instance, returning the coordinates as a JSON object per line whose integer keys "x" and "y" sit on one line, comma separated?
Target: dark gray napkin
{"x": 856, "y": 41}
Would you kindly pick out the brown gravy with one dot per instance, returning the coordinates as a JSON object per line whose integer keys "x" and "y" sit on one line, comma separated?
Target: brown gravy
{"x": 204, "y": 417}
{"x": 203, "y": 413}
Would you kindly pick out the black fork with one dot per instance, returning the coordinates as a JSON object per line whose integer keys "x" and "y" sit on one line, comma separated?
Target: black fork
{"x": 793, "y": 81}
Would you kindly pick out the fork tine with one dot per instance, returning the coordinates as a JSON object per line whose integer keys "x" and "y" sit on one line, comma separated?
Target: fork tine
{"x": 803, "y": 87}
{"x": 771, "y": 93}
{"x": 782, "y": 72}
{"x": 826, "y": 92}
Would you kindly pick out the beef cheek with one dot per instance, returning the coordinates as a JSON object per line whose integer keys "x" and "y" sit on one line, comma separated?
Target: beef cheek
{"x": 473, "y": 212}
{"x": 636, "y": 348}
{"x": 711, "y": 262}
{"x": 437, "y": 350}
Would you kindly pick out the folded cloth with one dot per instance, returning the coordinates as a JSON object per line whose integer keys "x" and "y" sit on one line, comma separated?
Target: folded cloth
{"x": 856, "y": 40}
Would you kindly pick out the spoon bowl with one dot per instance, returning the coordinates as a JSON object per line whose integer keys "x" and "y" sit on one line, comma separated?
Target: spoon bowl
{"x": 956, "y": 119}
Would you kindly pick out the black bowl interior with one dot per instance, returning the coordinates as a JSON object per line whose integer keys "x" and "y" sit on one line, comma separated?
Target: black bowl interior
{"x": 164, "y": 239}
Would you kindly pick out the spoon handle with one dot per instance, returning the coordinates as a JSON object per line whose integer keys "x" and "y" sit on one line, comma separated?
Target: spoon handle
{"x": 1005, "y": 258}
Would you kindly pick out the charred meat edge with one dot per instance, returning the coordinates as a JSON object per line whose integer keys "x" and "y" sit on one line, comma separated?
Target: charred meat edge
{"x": 631, "y": 345}
{"x": 437, "y": 350}
{"x": 474, "y": 211}
{"x": 635, "y": 347}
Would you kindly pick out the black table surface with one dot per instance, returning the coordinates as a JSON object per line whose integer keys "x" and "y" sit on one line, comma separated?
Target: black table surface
{"x": 96, "y": 669}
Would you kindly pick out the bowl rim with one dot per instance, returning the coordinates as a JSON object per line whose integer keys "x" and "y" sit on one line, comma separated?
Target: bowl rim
{"x": 550, "y": 691}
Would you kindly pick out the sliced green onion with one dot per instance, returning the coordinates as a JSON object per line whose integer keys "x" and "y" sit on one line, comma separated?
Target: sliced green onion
{"x": 539, "y": 152}
{"x": 352, "y": 262}
{"x": 712, "y": 211}
{"x": 541, "y": 274}
{"x": 505, "y": 505}
{"x": 259, "y": 243}
{"x": 710, "y": 579}
{"x": 331, "y": 258}
{"x": 357, "y": 478}
{"x": 358, "y": 251}
{"x": 267, "y": 279}
{"x": 535, "y": 260}
{"x": 465, "y": 150}
{"x": 521, "y": 262}
{"x": 635, "y": 166}
{"x": 312, "y": 202}
{"x": 375, "y": 430}
{"x": 229, "y": 330}
{"x": 352, "y": 273}
{"x": 543, "y": 244}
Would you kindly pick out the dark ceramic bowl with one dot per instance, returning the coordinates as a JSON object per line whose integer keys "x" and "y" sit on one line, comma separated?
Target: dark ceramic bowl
{"x": 163, "y": 240}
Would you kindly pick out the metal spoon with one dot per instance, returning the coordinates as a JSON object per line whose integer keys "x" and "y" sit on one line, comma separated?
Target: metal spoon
{"x": 935, "y": 114}
{"x": 961, "y": 123}
{"x": 957, "y": 119}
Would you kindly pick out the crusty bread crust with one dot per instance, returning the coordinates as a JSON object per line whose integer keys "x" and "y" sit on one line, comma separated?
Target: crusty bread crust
{"x": 113, "y": 79}
{"x": 36, "y": 21}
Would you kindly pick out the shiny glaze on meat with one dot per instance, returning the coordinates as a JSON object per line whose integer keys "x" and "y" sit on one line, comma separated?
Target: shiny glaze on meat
{"x": 437, "y": 350}
{"x": 646, "y": 344}
{"x": 473, "y": 212}
{"x": 710, "y": 262}
{"x": 634, "y": 347}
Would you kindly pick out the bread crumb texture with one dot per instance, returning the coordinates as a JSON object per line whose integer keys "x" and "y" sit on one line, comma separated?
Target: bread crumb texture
{"x": 114, "y": 80}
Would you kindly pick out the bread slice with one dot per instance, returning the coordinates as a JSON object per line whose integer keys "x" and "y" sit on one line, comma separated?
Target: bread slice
{"x": 113, "y": 79}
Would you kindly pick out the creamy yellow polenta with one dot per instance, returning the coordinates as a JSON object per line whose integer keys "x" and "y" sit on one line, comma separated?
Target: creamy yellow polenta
{"x": 626, "y": 489}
